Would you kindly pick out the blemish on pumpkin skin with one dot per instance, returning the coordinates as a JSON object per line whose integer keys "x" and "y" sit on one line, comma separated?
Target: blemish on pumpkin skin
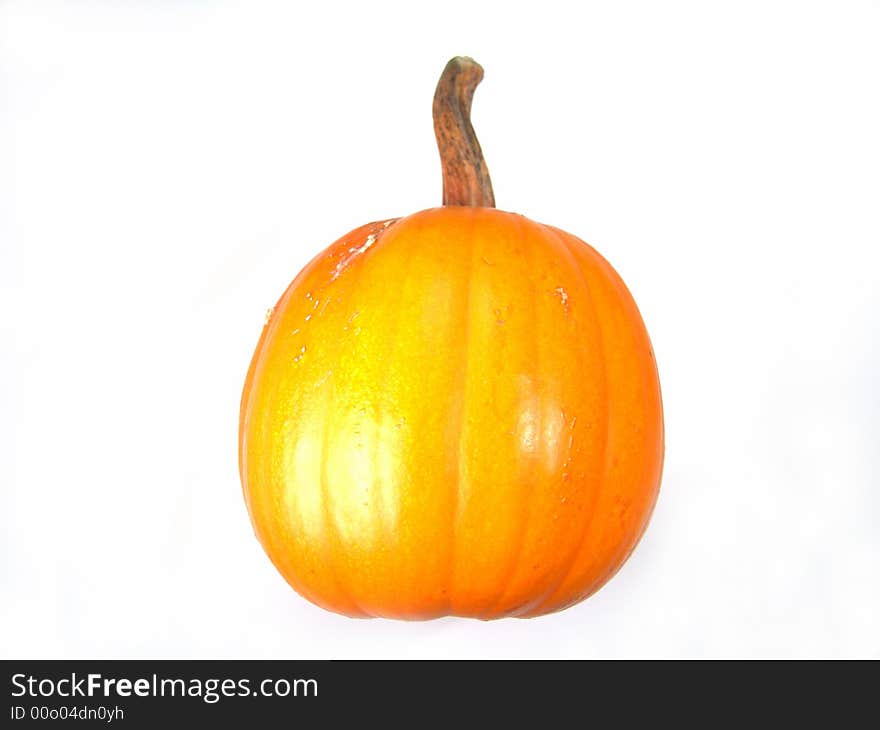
{"x": 622, "y": 506}
{"x": 351, "y": 320}
{"x": 501, "y": 314}
{"x": 268, "y": 317}
{"x": 353, "y": 253}
{"x": 566, "y": 467}
{"x": 302, "y": 353}
{"x": 563, "y": 298}
{"x": 324, "y": 379}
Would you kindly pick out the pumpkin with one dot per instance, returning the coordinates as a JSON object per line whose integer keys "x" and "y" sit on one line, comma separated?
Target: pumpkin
{"x": 452, "y": 413}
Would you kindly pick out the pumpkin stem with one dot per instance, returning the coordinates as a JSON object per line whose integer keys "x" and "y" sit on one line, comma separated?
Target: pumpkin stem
{"x": 465, "y": 175}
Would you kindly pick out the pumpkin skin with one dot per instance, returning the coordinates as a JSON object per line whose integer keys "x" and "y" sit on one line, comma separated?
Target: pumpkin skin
{"x": 453, "y": 413}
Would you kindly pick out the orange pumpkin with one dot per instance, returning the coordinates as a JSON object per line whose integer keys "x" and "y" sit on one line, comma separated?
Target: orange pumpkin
{"x": 452, "y": 413}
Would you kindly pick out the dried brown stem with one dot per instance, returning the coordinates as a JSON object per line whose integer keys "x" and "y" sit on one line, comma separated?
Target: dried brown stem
{"x": 465, "y": 175}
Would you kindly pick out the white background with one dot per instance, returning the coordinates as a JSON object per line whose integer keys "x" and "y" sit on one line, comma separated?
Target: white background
{"x": 167, "y": 167}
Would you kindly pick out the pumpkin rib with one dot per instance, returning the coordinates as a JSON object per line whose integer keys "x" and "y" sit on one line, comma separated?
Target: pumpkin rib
{"x": 584, "y": 360}
{"x": 256, "y": 366}
{"x": 458, "y": 499}
{"x": 550, "y": 594}
{"x": 266, "y": 537}
{"x": 587, "y": 360}
{"x": 348, "y": 276}
{"x": 331, "y": 526}
{"x": 271, "y": 538}
{"x": 602, "y": 578}
{"x": 508, "y": 581}
{"x": 392, "y": 347}
{"x": 604, "y": 269}
{"x": 376, "y": 503}
{"x": 374, "y": 506}
{"x": 594, "y": 266}
{"x": 609, "y": 411}
{"x": 343, "y": 279}
{"x": 625, "y": 295}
